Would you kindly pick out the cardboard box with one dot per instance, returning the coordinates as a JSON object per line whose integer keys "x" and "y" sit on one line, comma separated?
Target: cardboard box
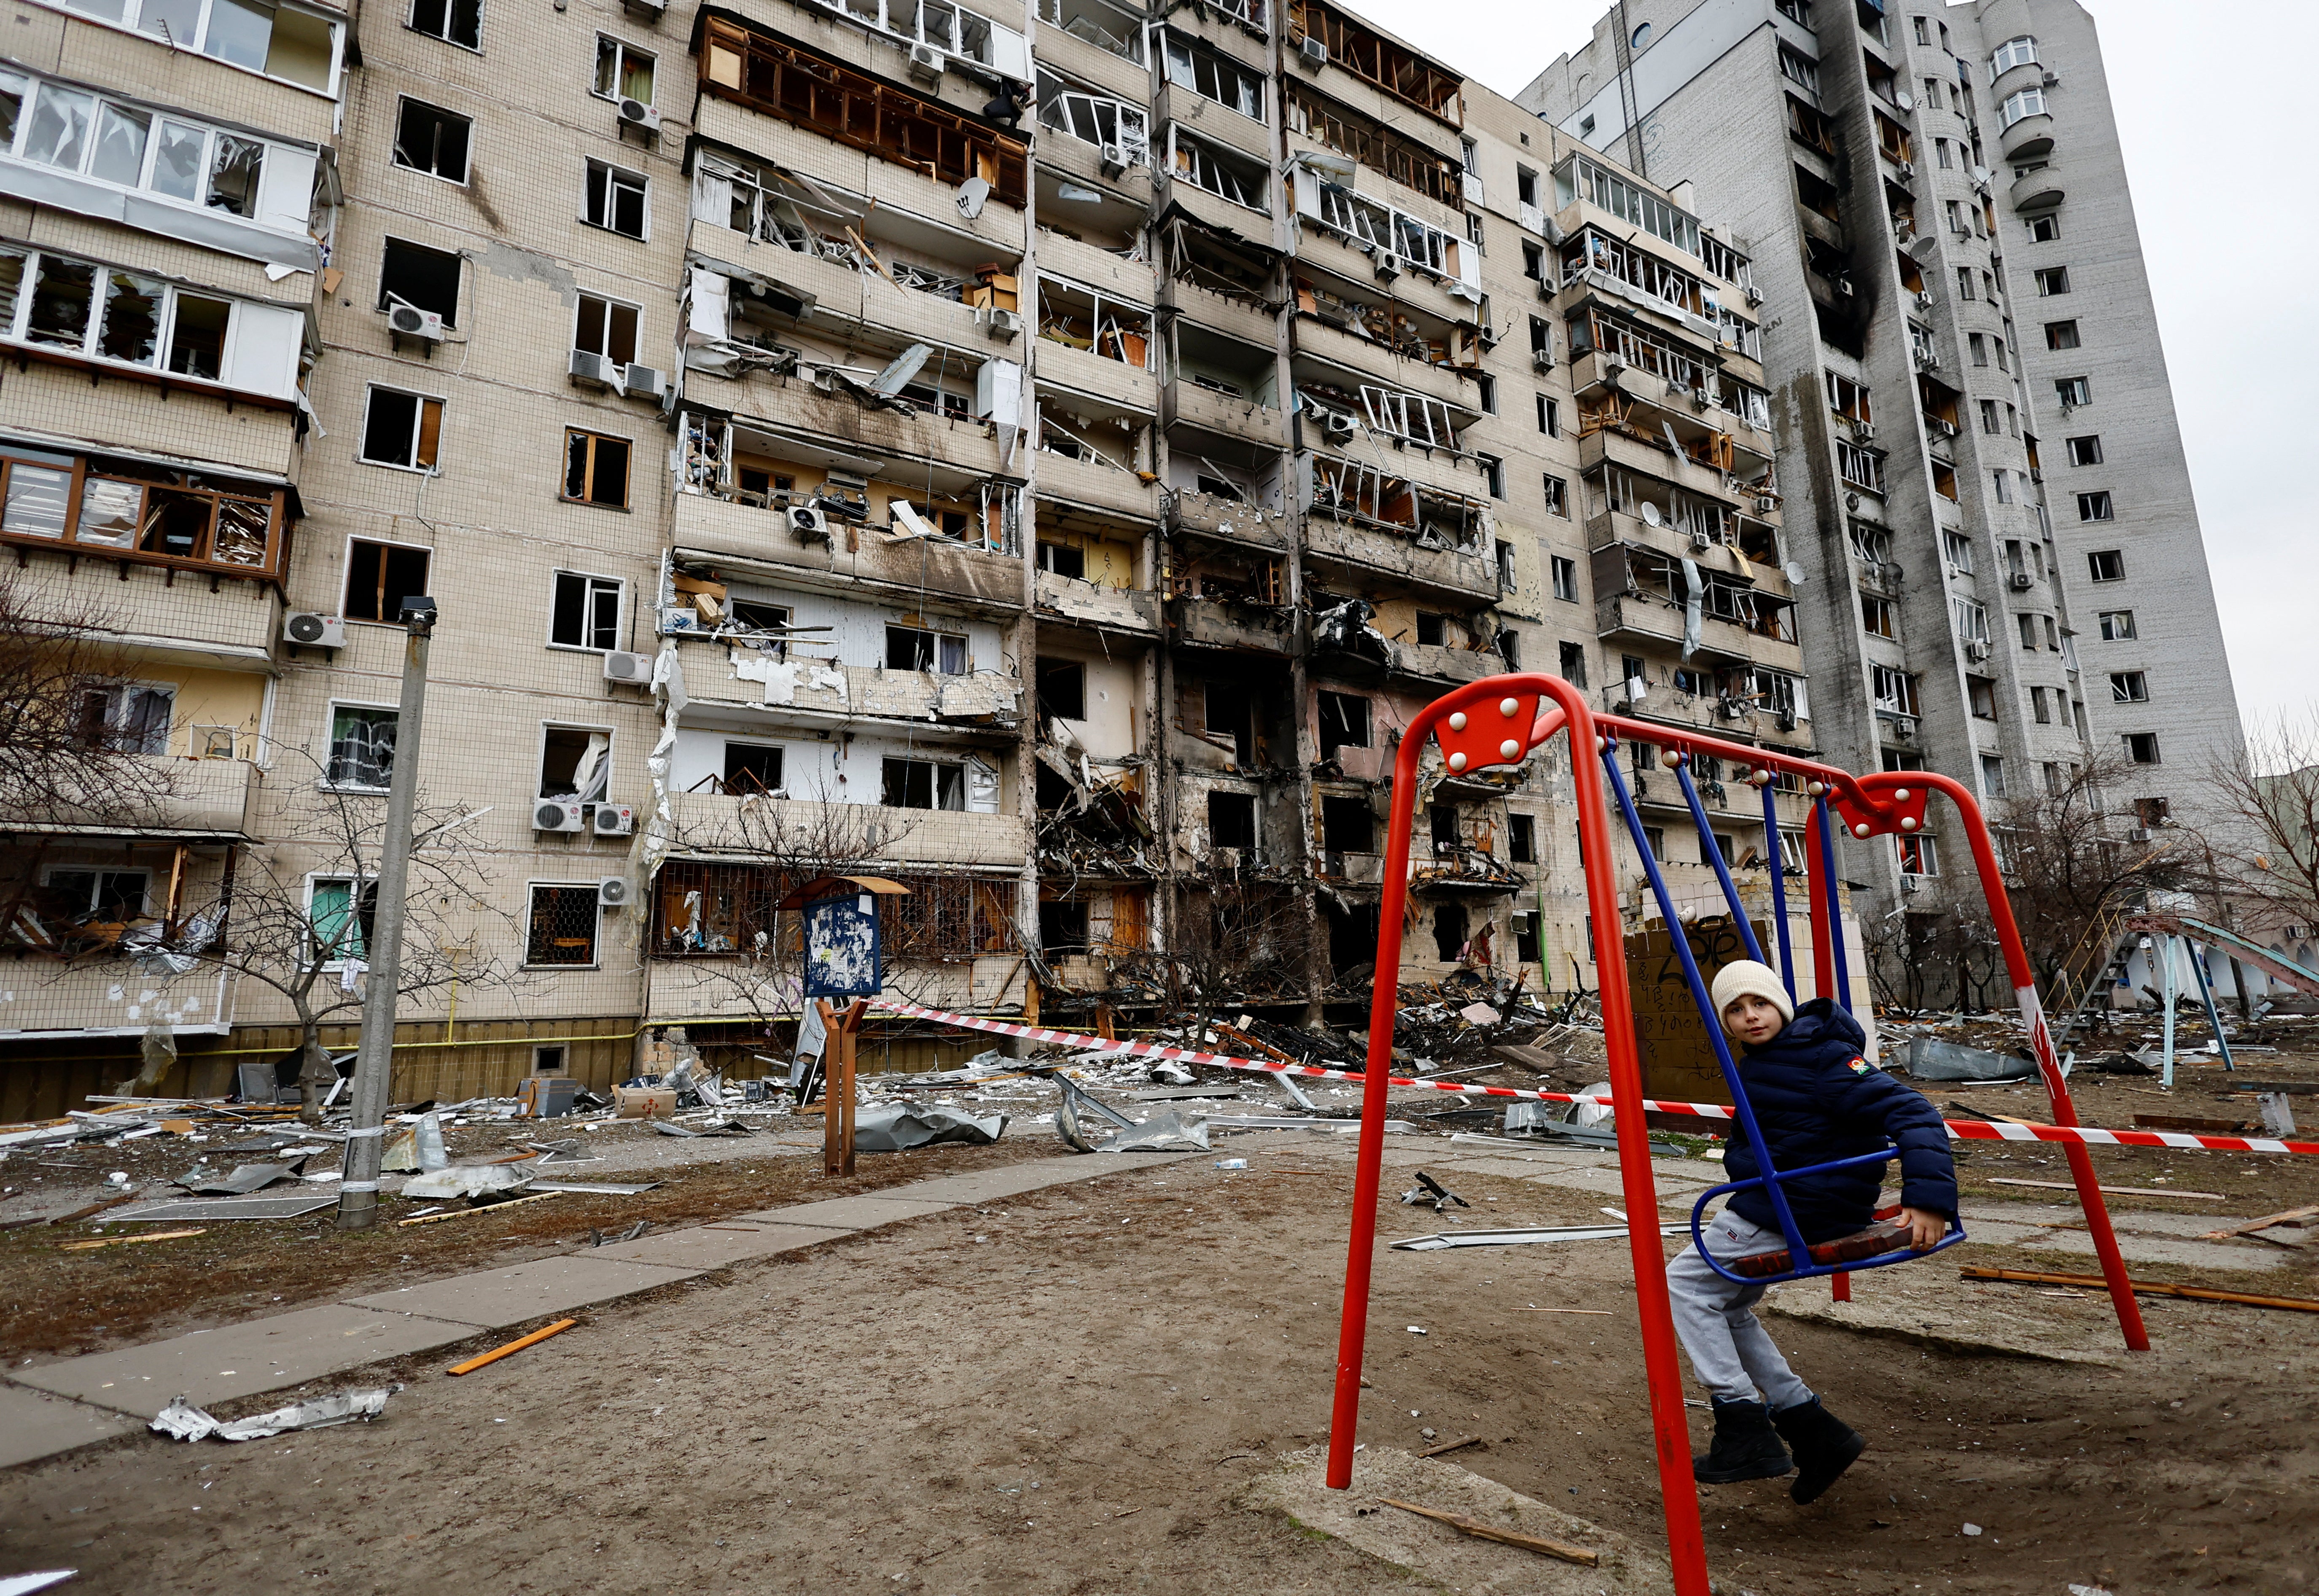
{"x": 643, "y": 1103}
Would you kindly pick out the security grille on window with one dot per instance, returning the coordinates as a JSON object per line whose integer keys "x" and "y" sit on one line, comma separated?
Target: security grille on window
{"x": 907, "y": 648}
{"x": 921, "y": 784}
{"x": 2094, "y": 507}
{"x": 362, "y": 747}
{"x": 596, "y": 469}
{"x": 615, "y": 200}
{"x": 623, "y": 72}
{"x": 380, "y": 576}
{"x": 416, "y": 276}
{"x": 563, "y": 929}
{"x": 586, "y": 612}
{"x": 402, "y": 429}
{"x": 431, "y": 139}
{"x": 454, "y": 22}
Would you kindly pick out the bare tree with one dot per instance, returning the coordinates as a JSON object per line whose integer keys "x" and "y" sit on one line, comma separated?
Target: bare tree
{"x": 295, "y": 914}
{"x": 77, "y": 743}
{"x": 1241, "y": 937}
{"x": 2067, "y": 861}
{"x": 2267, "y": 849}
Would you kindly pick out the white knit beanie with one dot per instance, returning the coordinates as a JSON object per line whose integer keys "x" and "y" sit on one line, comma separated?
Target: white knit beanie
{"x": 1737, "y": 980}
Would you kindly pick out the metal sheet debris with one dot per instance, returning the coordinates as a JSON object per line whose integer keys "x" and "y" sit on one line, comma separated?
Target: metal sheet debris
{"x": 1162, "y": 1132}
{"x": 188, "y": 1422}
{"x": 288, "y": 1206}
{"x": 601, "y": 1188}
{"x": 1429, "y": 1190}
{"x": 1929, "y": 1059}
{"x": 245, "y": 1179}
{"x": 892, "y": 1127}
{"x": 466, "y": 1180}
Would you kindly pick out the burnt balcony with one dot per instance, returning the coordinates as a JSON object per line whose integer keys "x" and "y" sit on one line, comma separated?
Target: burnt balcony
{"x": 1226, "y": 521}
{"x": 1247, "y": 628}
{"x": 1104, "y": 608}
{"x": 864, "y": 556}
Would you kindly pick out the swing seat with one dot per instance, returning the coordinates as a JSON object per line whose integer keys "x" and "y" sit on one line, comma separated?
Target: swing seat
{"x": 1881, "y": 1244}
{"x": 1885, "y": 1236}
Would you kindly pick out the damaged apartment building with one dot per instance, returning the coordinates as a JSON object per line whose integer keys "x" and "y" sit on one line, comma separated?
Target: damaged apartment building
{"x": 1038, "y": 459}
{"x": 1985, "y": 484}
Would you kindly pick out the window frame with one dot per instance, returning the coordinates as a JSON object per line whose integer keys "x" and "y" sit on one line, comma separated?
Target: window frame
{"x": 2116, "y": 626}
{"x": 459, "y": 281}
{"x": 586, "y": 496}
{"x": 417, "y": 429}
{"x": 467, "y": 153}
{"x": 2052, "y": 282}
{"x": 410, "y": 24}
{"x": 581, "y": 301}
{"x": 589, "y": 591}
{"x": 593, "y": 165}
{"x": 169, "y": 296}
{"x": 329, "y": 782}
{"x": 532, "y": 890}
{"x": 129, "y": 21}
{"x": 1564, "y": 576}
{"x": 346, "y": 586}
{"x": 359, "y": 887}
{"x": 623, "y": 50}
{"x": 2097, "y": 507}
{"x": 54, "y": 867}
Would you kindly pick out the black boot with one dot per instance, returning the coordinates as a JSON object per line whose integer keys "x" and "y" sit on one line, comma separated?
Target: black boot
{"x": 1824, "y": 1446}
{"x": 1746, "y": 1446}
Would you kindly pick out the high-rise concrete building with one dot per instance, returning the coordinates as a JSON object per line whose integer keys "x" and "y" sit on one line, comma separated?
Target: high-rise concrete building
{"x": 1978, "y": 442}
{"x": 1039, "y": 460}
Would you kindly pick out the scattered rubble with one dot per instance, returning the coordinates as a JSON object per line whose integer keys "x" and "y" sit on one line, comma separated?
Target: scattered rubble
{"x": 188, "y": 1422}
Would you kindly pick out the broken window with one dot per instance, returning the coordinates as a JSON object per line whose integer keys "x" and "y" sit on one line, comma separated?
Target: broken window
{"x": 2116, "y": 626}
{"x": 1344, "y": 722}
{"x": 595, "y": 469}
{"x": 2086, "y": 451}
{"x": 1863, "y": 468}
{"x": 1450, "y": 923}
{"x": 1062, "y": 688}
{"x": 1877, "y": 617}
{"x": 1232, "y": 820}
{"x": 341, "y": 921}
{"x": 1521, "y": 839}
{"x": 1573, "y": 664}
{"x": 2094, "y": 507}
{"x": 1373, "y": 144}
{"x": 2129, "y": 687}
{"x": 615, "y": 200}
{"x": 197, "y": 330}
{"x": 416, "y": 276}
{"x": 427, "y": 139}
{"x": 562, "y": 925}
{"x": 752, "y": 767}
{"x": 1347, "y": 825}
{"x": 126, "y": 719}
{"x": 606, "y": 328}
{"x": 1106, "y": 26}
{"x": 454, "y": 22}
{"x": 575, "y": 763}
{"x": 1397, "y": 70}
{"x": 1433, "y": 630}
{"x": 1920, "y": 856}
{"x": 2053, "y": 281}
{"x": 362, "y": 747}
{"x": 380, "y": 576}
{"x": 1063, "y": 927}
{"x": 1849, "y": 398}
{"x": 1212, "y": 76}
{"x": 2061, "y": 335}
{"x": 1227, "y": 176}
{"x": 1896, "y": 690}
{"x": 909, "y": 648}
{"x": 2074, "y": 393}
{"x": 2141, "y": 747}
{"x": 402, "y": 429}
{"x": 1119, "y": 129}
{"x": 923, "y": 784}
{"x": 586, "y": 612}
{"x": 1557, "y": 503}
{"x": 1980, "y": 693}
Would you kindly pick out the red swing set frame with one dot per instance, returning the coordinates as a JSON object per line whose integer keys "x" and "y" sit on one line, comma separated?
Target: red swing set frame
{"x": 1500, "y": 721}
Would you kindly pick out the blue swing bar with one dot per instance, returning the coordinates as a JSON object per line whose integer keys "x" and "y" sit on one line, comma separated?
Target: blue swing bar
{"x": 1799, "y": 1259}
{"x": 1779, "y": 866}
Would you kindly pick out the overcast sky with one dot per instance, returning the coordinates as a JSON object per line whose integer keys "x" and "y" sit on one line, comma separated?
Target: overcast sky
{"x": 2206, "y": 98}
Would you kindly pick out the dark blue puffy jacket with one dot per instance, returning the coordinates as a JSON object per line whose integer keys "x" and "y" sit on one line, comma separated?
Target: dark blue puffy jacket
{"x": 1818, "y": 1100}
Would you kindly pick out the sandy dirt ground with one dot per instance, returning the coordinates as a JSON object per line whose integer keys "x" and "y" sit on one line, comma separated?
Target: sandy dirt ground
{"x": 1081, "y": 1390}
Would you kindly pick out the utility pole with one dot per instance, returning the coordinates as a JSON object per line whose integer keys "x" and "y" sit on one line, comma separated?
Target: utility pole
{"x": 366, "y": 1143}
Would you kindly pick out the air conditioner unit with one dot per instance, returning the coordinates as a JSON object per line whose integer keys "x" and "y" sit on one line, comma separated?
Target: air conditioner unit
{"x": 1699, "y": 401}
{"x": 2140, "y": 833}
{"x": 615, "y": 820}
{"x": 1924, "y": 299}
{"x": 650, "y": 10}
{"x": 1701, "y": 542}
{"x": 1945, "y": 428}
{"x": 1337, "y": 425}
{"x": 629, "y": 669}
{"x": 1755, "y": 294}
{"x": 636, "y": 114}
{"x": 1975, "y": 649}
{"x": 642, "y": 381}
{"x": 1765, "y": 504}
{"x": 1313, "y": 53}
{"x": 613, "y": 892}
{"x": 1863, "y": 431}
{"x": 809, "y": 523}
{"x": 314, "y": 631}
{"x": 408, "y": 320}
{"x": 1612, "y": 364}
{"x": 1542, "y": 360}
{"x": 1006, "y": 326}
{"x": 926, "y": 63}
{"x": 558, "y": 815}
{"x": 1114, "y": 159}
{"x": 680, "y": 618}
{"x": 1912, "y": 883}
{"x": 1387, "y": 264}
{"x": 2020, "y": 582}
{"x": 1546, "y": 286}
{"x": 594, "y": 370}
{"x": 1908, "y": 168}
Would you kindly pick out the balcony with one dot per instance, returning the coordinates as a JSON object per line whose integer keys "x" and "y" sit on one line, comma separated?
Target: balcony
{"x": 1437, "y": 468}
{"x": 842, "y": 291}
{"x": 1225, "y": 314}
{"x": 2037, "y": 191}
{"x": 1114, "y": 74}
{"x": 1247, "y": 226}
{"x": 1217, "y": 122}
{"x": 1108, "y": 609}
{"x": 1332, "y": 251}
{"x": 2030, "y": 138}
{"x": 984, "y": 703}
{"x": 203, "y": 800}
{"x": 1642, "y": 618}
{"x": 1081, "y": 162}
{"x": 1226, "y": 521}
{"x": 1595, "y": 374}
{"x": 1210, "y": 622}
{"x": 1374, "y": 362}
{"x": 149, "y": 612}
{"x": 1472, "y": 578}
{"x": 787, "y": 407}
{"x": 835, "y": 167}
{"x": 931, "y": 837}
{"x": 1095, "y": 268}
{"x": 111, "y": 996}
{"x": 1190, "y": 404}
{"x": 1656, "y": 460}
{"x": 1097, "y": 486}
{"x": 732, "y": 530}
{"x": 1099, "y": 376}
{"x": 1435, "y": 662}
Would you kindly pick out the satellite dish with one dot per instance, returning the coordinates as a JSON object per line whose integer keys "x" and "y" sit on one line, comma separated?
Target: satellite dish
{"x": 1650, "y": 513}
{"x": 1795, "y": 573}
{"x": 1904, "y": 101}
{"x": 971, "y": 196}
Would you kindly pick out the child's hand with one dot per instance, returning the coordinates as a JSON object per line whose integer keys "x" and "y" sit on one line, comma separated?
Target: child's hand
{"x": 1925, "y": 1228}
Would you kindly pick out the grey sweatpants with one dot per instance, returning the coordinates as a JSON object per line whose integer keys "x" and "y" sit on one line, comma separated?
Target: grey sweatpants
{"x": 1730, "y": 1350}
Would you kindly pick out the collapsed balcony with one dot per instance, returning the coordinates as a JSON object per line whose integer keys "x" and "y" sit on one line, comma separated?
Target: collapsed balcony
{"x": 1386, "y": 524}
{"x": 1642, "y": 592}
{"x": 1230, "y": 598}
{"x": 1092, "y": 826}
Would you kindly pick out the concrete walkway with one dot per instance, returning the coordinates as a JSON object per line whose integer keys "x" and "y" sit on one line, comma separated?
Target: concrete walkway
{"x": 51, "y": 1408}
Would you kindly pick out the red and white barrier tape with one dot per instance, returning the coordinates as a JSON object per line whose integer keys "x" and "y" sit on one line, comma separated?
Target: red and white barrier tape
{"x": 1961, "y": 1130}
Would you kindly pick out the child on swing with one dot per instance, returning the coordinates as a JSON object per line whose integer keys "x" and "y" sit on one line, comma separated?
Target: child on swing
{"x": 1817, "y": 1100}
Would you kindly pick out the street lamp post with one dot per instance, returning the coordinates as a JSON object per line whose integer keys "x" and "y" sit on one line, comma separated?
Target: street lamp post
{"x": 365, "y": 1147}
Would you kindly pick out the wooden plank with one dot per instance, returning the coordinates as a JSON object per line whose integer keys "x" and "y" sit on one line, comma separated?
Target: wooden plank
{"x": 124, "y": 1240}
{"x": 2290, "y": 1217}
{"x": 518, "y": 1344}
{"x": 1470, "y": 1440}
{"x": 1474, "y": 1527}
{"x": 2109, "y": 1191}
{"x": 2198, "y": 1124}
{"x": 431, "y": 1218}
{"x": 2201, "y": 1293}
